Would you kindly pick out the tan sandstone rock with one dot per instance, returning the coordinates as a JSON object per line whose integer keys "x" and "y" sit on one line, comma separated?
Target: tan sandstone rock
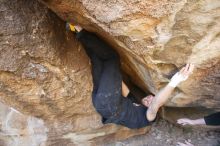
{"x": 45, "y": 74}
{"x": 157, "y": 37}
{"x": 45, "y": 82}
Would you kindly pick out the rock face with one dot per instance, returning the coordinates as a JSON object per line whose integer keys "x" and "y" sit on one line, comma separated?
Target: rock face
{"x": 45, "y": 82}
{"x": 45, "y": 73}
{"x": 19, "y": 129}
{"x": 157, "y": 37}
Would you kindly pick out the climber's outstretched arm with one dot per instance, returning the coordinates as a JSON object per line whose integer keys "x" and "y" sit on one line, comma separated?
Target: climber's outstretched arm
{"x": 163, "y": 95}
{"x": 160, "y": 98}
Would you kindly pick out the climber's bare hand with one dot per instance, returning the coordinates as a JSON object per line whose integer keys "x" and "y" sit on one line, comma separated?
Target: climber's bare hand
{"x": 187, "y": 70}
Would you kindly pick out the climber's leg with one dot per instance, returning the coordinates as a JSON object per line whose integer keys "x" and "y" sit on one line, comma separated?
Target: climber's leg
{"x": 102, "y": 49}
{"x": 97, "y": 65}
{"x": 106, "y": 73}
{"x": 108, "y": 96}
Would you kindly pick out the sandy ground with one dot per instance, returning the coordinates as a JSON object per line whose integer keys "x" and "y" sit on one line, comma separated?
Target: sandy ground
{"x": 166, "y": 134}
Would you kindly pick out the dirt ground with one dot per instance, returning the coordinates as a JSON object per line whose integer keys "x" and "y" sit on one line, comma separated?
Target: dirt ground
{"x": 167, "y": 134}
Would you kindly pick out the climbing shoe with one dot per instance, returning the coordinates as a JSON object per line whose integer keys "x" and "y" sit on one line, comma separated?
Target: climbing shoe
{"x": 70, "y": 27}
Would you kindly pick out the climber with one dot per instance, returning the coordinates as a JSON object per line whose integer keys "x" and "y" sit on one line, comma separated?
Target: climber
{"x": 211, "y": 120}
{"x": 110, "y": 92}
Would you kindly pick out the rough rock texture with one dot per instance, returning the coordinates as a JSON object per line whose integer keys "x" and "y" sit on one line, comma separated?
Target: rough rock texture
{"x": 157, "y": 37}
{"x": 18, "y": 129}
{"x": 45, "y": 75}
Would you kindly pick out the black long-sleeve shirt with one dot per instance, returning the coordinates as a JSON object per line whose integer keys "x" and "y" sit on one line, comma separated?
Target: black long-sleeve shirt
{"x": 213, "y": 119}
{"x": 107, "y": 99}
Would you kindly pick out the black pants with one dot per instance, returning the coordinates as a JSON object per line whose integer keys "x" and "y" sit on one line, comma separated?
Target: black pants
{"x": 213, "y": 119}
{"x": 106, "y": 95}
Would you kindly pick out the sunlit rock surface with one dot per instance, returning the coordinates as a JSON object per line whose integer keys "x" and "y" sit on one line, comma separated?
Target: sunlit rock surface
{"x": 45, "y": 82}
{"x": 157, "y": 37}
{"x": 21, "y": 130}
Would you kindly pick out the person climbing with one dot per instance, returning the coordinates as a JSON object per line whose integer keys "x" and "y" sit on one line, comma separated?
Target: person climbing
{"x": 211, "y": 120}
{"x": 110, "y": 92}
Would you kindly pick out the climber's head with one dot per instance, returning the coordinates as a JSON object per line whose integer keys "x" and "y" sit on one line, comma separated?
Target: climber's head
{"x": 147, "y": 100}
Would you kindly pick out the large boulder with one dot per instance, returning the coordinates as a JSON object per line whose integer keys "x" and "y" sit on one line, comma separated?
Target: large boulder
{"x": 45, "y": 79}
{"x": 156, "y": 38}
{"x": 45, "y": 82}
